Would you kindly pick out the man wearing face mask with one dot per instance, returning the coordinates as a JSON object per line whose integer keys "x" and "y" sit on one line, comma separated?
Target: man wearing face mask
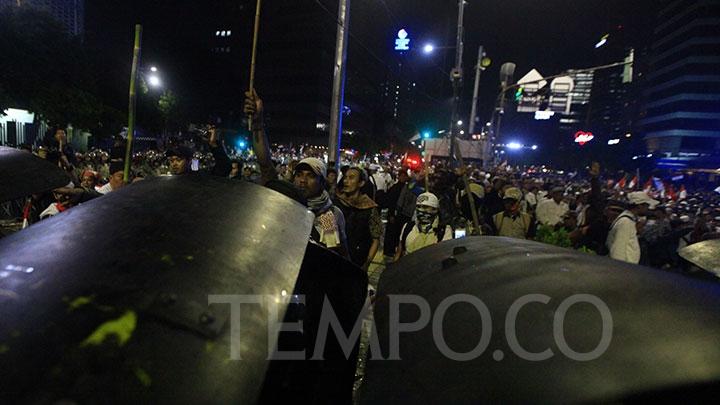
{"x": 425, "y": 230}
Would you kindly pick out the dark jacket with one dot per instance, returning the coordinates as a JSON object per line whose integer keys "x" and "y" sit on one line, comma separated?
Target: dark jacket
{"x": 362, "y": 226}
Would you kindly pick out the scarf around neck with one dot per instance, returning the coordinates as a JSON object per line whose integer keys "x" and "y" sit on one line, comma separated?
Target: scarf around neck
{"x": 319, "y": 204}
{"x": 360, "y": 201}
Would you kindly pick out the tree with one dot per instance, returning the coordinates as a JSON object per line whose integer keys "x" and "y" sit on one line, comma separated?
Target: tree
{"x": 169, "y": 110}
{"x": 49, "y": 72}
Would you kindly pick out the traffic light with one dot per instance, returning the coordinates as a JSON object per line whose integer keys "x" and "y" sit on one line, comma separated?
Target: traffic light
{"x": 426, "y": 135}
{"x": 519, "y": 94}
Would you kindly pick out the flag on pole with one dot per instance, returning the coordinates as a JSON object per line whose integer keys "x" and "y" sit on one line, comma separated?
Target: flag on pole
{"x": 621, "y": 183}
{"x": 648, "y": 185}
{"x": 633, "y": 182}
{"x": 26, "y": 213}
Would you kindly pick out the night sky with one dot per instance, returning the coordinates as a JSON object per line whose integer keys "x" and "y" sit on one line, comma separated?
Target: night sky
{"x": 551, "y": 35}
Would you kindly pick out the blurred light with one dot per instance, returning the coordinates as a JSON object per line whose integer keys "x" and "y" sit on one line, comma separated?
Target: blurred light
{"x": 544, "y": 115}
{"x": 154, "y": 81}
{"x": 242, "y": 144}
{"x": 428, "y": 48}
{"x": 583, "y": 137}
{"x": 603, "y": 41}
{"x": 459, "y": 122}
{"x": 153, "y": 69}
{"x": 462, "y": 132}
{"x": 534, "y": 147}
{"x": 442, "y": 131}
{"x": 426, "y": 134}
{"x": 634, "y": 157}
{"x": 628, "y": 135}
{"x": 613, "y": 141}
{"x": 514, "y": 146}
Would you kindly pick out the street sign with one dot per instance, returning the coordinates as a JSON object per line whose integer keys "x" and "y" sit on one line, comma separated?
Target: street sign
{"x": 535, "y": 77}
{"x": 529, "y": 99}
{"x": 560, "y": 94}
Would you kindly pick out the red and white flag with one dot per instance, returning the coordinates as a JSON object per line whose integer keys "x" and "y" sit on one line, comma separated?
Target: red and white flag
{"x": 633, "y": 182}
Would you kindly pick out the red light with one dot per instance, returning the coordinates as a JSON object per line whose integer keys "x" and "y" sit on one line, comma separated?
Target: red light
{"x": 412, "y": 162}
{"x": 583, "y": 137}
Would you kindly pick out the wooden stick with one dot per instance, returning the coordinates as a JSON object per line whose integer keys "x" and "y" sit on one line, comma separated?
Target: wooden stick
{"x": 254, "y": 55}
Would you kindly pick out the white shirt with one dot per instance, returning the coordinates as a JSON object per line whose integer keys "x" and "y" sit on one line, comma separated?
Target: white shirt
{"x": 529, "y": 202}
{"x": 417, "y": 240}
{"x": 380, "y": 181}
{"x": 550, "y": 213}
{"x": 104, "y": 189}
{"x": 622, "y": 239}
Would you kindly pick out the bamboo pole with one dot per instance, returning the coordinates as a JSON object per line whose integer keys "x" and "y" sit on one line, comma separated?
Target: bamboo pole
{"x": 253, "y": 58}
{"x": 131, "y": 104}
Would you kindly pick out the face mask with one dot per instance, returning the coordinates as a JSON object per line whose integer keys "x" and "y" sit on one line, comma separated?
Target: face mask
{"x": 425, "y": 219}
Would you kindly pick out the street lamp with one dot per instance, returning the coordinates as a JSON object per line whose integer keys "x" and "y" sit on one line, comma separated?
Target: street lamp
{"x": 154, "y": 81}
{"x": 428, "y": 49}
{"x": 514, "y": 146}
{"x": 153, "y": 69}
{"x": 459, "y": 122}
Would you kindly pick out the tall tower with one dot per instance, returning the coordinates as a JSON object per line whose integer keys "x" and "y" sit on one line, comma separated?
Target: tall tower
{"x": 682, "y": 98}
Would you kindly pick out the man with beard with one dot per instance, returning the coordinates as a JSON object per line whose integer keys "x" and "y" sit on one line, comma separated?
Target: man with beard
{"x": 426, "y": 230}
{"x": 309, "y": 179}
{"x": 362, "y": 218}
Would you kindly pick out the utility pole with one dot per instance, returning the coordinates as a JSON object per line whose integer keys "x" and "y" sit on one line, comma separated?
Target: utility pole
{"x": 456, "y": 77}
{"x": 478, "y": 70}
{"x": 131, "y": 103}
{"x": 338, "y": 93}
{"x": 507, "y": 71}
{"x": 455, "y": 152}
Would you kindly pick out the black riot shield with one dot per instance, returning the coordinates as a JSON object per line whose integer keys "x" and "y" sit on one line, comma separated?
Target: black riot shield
{"x": 161, "y": 292}
{"x": 22, "y": 174}
{"x": 509, "y": 321}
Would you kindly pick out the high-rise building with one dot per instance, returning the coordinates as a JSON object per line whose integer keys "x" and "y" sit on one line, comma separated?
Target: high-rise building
{"x": 70, "y": 13}
{"x": 682, "y": 97}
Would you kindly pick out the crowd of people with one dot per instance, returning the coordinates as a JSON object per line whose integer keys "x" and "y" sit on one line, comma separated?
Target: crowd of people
{"x": 364, "y": 206}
